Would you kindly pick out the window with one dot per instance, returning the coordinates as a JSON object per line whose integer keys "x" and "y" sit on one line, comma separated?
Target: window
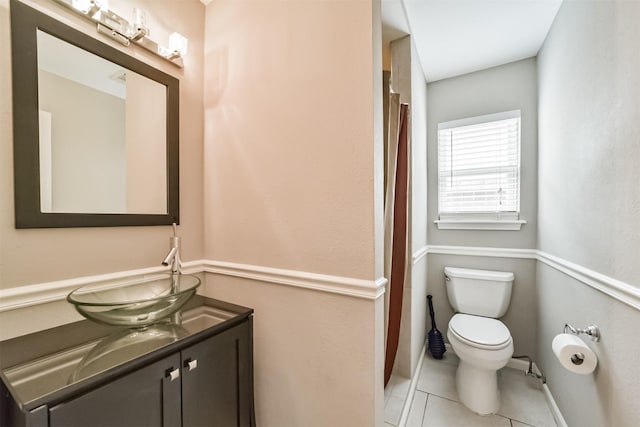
{"x": 479, "y": 172}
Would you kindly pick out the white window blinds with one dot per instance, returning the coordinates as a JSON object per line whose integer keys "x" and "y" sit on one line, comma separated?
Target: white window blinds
{"x": 479, "y": 167}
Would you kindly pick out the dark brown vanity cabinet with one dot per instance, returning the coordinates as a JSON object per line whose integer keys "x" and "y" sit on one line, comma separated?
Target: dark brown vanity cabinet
{"x": 146, "y": 397}
{"x": 205, "y": 379}
{"x": 206, "y": 384}
{"x": 218, "y": 391}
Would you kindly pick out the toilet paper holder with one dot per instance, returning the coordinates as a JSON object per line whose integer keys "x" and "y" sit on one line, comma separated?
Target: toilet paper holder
{"x": 592, "y": 330}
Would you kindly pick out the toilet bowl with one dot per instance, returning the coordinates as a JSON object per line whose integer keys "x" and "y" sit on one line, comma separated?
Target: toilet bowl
{"x": 484, "y": 346}
{"x": 482, "y": 342}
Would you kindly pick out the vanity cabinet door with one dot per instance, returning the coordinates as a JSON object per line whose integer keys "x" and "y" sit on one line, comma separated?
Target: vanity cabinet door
{"x": 146, "y": 397}
{"x": 217, "y": 380}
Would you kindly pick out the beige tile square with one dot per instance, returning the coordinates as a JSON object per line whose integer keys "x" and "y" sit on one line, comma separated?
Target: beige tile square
{"x": 446, "y": 413}
{"x": 416, "y": 413}
{"x": 438, "y": 377}
{"x": 399, "y": 385}
{"x": 522, "y": 399}
{"x": 448, "y": 357}
{"x": 393, "y": 410}
{"x": 387, "y": 393}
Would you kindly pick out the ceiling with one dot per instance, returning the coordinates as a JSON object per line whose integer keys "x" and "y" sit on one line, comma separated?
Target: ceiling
{"x": 455, "y": 37}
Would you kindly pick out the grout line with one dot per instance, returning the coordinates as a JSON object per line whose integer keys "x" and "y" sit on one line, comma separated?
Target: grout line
{"x": 424, "y": 411}
{"x": 446, "y": 398}
{"x": 515, "y": 367}
{"x": 522, "y": 422}
{"x": 498, "y": 415}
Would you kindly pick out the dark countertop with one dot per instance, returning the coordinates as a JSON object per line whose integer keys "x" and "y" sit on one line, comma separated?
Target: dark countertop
{"x": 56, "y": 363}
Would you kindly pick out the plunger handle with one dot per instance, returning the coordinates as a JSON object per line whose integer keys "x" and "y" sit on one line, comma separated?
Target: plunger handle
{"x": 431, "y": 313}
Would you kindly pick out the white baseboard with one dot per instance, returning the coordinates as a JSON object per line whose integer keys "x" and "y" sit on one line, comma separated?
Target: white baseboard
{"x": 523, "y": 364}
{"x": 553, "y": 407}
{"x": 406, "y": 408}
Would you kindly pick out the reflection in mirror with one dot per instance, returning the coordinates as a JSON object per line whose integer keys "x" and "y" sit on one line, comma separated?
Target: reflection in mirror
{"x": 95, "y": 130}
{"x": 95, "y": 156}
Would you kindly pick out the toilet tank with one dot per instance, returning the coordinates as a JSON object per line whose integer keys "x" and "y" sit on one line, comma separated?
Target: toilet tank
{"x": 480, "y": 292}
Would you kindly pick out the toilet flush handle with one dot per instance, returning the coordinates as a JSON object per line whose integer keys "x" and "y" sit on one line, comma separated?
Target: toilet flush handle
{"x": 447, "y": 278}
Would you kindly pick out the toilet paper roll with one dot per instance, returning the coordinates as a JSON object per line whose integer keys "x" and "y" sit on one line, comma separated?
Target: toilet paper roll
{"x": 574, "y": 354}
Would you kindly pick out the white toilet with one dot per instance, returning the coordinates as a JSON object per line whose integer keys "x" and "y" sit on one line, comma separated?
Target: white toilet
{"x": 482, "y": 342}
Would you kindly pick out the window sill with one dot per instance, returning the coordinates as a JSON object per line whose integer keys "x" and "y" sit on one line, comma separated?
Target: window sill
{"x": 508, "y": 225}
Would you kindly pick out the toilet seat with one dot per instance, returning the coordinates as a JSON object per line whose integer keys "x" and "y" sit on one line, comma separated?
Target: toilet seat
{"x": 480, "y": 332}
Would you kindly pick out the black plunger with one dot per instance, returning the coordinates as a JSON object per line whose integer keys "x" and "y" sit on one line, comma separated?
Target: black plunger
{"x": 436, "y": 340}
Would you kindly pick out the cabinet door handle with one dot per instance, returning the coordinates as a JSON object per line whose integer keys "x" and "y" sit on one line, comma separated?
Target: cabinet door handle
{"x": 172, "y": 374}
{"x": 191, "y": 364}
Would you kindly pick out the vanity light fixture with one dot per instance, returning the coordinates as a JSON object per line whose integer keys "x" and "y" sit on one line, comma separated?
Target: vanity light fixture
{"x": 90, "y": 7}
{"x": 139, "y": 29}
{"x": 126, "y": 33}
{"x": 177, "y": 46}
{"x": 140, "y": 17}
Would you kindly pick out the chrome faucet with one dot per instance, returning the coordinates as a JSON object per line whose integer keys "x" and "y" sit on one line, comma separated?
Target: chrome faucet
{"x": 173, "y": 257}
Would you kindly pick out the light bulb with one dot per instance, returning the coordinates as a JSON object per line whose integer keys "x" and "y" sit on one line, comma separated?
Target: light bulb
{"x": 90, "y": 7}
{"x": 140, "y": 17}
{"x": 82, "y": 5}
{"x": 178, "y": 43}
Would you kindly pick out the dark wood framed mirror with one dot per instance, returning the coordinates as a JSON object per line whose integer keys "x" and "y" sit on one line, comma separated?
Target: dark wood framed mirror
{"x": 95, "y": 130}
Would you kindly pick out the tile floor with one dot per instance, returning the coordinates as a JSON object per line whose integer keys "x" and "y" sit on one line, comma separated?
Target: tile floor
{"x": 436, "y": 404}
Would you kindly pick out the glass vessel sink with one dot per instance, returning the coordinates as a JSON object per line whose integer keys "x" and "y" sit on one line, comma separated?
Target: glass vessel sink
{"x": 124, "y": 345}
{"x": 136, "y": 303}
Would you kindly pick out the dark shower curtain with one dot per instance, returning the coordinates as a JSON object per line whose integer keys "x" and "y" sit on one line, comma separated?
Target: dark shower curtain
{"x": 399, "y": 204}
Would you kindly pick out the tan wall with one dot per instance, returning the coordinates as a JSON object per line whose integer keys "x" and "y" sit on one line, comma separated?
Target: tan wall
{"x": 317, "y": 356}
{"x": 291, "y": 151}
{"x": 289, "y": 141}
{"x": 43, "y": 255}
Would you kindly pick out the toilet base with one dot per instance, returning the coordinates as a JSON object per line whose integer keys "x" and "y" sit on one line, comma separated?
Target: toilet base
{"x": 478, "y": 389}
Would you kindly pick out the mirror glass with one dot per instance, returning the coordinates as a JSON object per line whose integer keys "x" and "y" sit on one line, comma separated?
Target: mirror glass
{"x": 95, "y": 130}
{"x": 102, "y": 134}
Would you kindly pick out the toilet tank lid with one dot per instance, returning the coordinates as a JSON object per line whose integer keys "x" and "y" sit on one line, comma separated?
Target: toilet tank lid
{"x": 468, "y": 273}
